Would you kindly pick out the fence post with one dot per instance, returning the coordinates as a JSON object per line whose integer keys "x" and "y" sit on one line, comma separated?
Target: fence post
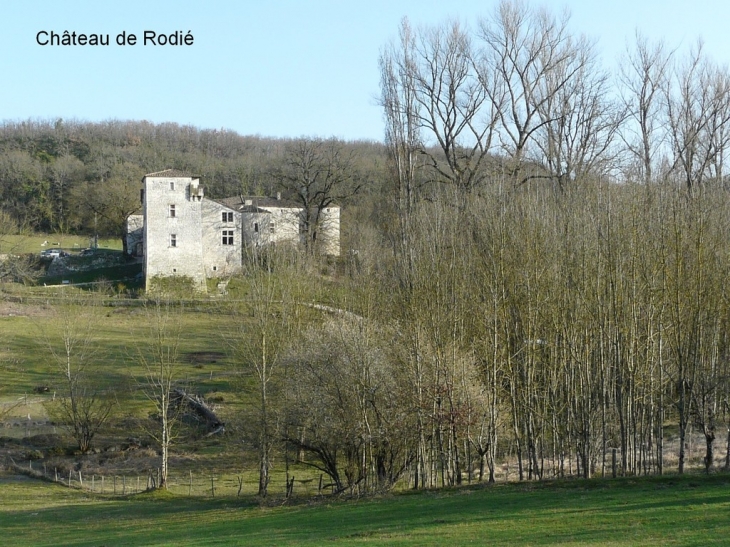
{"x": 190, "y": 484}
{"x": 212, "y": 487}
{"x": 115, "y": 484}
{"x": 81, "y": 482}
{"x": 69, "y": 478}
{"x": 124, "y": 485}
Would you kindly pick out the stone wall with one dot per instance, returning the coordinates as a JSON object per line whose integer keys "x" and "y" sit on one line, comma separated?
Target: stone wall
{"x": 173, "y": 229}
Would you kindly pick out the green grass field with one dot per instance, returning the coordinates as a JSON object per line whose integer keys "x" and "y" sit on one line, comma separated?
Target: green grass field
{"x": 692, "y": 510}
{"x": 33, "y": 243}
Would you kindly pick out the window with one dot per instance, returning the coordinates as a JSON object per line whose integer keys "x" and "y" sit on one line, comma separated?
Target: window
{"x": 227, "y": 216}
{"x": 173, "y": 240}
{"x": 227, "y": 237}
{"x": 271, "y": 227}
{"x": 172, "y": 186}
{"x": 256, "y": 227}
{"x": 172, "y": 211}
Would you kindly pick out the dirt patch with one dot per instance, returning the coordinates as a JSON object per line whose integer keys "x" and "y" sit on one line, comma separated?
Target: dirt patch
{"x": 204, "y": 357}
{"x": 16, "y": 309}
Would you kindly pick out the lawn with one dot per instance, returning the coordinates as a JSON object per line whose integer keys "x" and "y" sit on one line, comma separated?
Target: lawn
{"x": 118, "y": 334}
{"x": 691, "y": 510}
{"x": 35, "y": 243}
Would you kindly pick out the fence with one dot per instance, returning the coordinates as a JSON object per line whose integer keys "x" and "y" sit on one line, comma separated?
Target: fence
{"x": 190, "y": 483}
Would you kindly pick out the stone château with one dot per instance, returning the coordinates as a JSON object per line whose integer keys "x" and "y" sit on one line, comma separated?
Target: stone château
{"x": 183, "y": 233}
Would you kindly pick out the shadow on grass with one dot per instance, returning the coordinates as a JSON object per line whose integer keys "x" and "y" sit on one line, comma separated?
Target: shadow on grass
{"x": 618, "y": 512}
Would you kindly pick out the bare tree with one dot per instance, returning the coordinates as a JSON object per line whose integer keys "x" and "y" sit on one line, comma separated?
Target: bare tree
{"x": 345, "y": 409}
{"x": 643, "y": 77}
{"x": 82, "y": 406}
{"x": 317, "y": 174}
{"x": 458, "y": 103}
{"x": 536, "y": 57}
{"x": 402, "y": 136}
{"x": 262, "y": 334}
{"x": 698, "y": 112}
{"x": 578, "y": 120}
{"x": 159, "y": 355}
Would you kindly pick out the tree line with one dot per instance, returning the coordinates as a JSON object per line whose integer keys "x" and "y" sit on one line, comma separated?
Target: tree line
{"x": 84, "y": 177}
{"x": 547, "y": 331}
{"x": 553, "y": 237}
{"x": 520, "y": 88}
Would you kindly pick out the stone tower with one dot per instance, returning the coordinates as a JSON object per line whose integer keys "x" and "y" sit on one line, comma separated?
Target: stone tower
{"x": 173, "y": 205}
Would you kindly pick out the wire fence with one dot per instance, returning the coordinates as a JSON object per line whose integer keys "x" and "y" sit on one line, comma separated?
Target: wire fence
{"x": 190, "y": 483}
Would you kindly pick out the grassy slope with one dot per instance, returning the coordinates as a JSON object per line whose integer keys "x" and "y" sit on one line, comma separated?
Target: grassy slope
{"x": 118, "y": 333}
{"x": 17, "y": 244}
{"x": 657, "y": 511}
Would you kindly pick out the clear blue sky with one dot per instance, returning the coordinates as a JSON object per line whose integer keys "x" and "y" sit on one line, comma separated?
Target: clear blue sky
{"x": 275, "y": 68}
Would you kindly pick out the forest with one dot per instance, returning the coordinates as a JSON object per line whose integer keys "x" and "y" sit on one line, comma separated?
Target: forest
{"x": 534, "y": 259}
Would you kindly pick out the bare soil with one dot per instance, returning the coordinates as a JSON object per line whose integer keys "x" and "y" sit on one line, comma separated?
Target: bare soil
{"x": 16, "y": 309}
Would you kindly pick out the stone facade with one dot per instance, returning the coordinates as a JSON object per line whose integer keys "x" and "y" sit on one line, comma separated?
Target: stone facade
{"x": 185, "y": 234}
{"x": 273, "y": 220}
{"x": 182, "y": 233}
{"x": 135, "y": 235}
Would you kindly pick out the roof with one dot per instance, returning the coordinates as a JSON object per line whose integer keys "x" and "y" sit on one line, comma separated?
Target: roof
{"x": 238, "y": 203}
{"x": 174, "y": 173}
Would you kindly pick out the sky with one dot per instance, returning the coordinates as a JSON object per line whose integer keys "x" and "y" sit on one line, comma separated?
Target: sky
{"x": 277, "y": 68}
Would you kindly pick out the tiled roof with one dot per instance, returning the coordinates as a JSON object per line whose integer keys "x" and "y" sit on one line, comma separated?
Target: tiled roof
{"x": 172, "y": 173}
{"x": 239, "y": 203}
